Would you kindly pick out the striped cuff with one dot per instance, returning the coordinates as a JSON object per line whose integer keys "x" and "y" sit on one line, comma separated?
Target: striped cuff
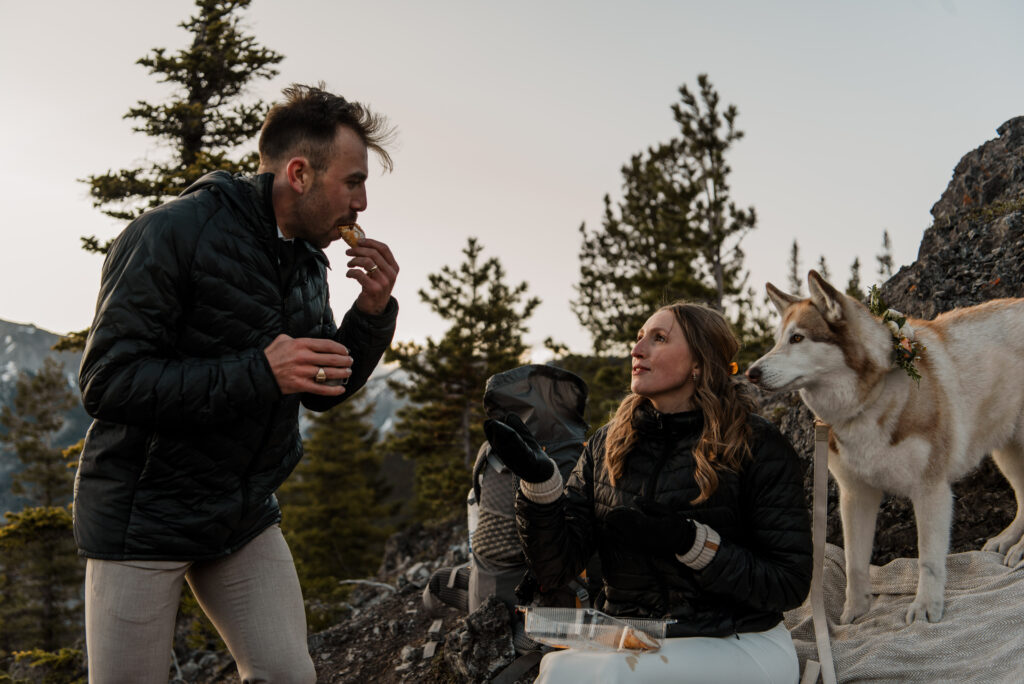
{"x": 705, "y": 545}
{"x": 543, "y": 492}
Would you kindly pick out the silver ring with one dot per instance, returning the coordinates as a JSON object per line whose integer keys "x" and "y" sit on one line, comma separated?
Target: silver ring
{"x": 371, "y": 270}
{"x": 321, "y": 375}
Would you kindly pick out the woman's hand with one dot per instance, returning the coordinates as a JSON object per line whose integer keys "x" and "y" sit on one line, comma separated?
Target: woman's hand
{"x": 514, "y": 444}
{"x": 651, "y": 528}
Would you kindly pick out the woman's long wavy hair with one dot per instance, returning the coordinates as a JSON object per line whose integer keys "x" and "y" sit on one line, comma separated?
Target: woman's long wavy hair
{"x": 725, "y": 402}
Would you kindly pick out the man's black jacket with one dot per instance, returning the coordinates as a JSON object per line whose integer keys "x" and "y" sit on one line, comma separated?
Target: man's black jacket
{"x": 192, "y": 435}
{"x": 763, "y": 565}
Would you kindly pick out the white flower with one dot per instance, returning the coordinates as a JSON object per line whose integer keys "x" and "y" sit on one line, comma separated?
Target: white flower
{"x": 893, "y": 328}
{"x": 907, "y": 331}
{"x": 895, "y": 314}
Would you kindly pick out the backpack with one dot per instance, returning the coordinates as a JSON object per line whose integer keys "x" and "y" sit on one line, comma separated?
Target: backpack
{"x": 551, "y": 402}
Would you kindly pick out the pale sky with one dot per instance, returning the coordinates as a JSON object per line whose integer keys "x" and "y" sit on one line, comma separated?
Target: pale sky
{"x": 514, "y": 121}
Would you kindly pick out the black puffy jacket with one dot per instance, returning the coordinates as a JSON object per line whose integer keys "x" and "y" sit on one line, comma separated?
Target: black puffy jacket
{"x": 762, "y": 567}
{"x": 192, "y": 435}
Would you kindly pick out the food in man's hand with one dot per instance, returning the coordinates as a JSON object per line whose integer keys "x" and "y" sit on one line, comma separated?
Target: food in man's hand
{"x": 351, "y": 233}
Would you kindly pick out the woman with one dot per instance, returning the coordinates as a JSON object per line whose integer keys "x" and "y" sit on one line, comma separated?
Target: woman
{"x": 694, "y": 504}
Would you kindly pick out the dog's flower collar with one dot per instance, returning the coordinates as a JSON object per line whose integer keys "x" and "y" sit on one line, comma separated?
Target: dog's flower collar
{"x": 905, "y": 349}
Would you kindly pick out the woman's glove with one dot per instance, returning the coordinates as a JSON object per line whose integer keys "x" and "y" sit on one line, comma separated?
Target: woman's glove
{"x": 654, "y": 529}
{"x": 512, "y": 442}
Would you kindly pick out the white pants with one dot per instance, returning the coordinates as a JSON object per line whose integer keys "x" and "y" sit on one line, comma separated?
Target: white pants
{"x": 252, "y": 597}
{"x": 739, "y": 659}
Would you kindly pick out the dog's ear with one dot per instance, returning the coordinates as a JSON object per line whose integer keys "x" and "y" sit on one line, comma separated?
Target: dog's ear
{"x": 780, "y": 299}
{"x": 825, "y": 298}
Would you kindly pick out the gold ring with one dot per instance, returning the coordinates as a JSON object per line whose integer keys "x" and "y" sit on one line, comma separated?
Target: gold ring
{"x": 371, "y": 270}
{"x": 321, "y": 375}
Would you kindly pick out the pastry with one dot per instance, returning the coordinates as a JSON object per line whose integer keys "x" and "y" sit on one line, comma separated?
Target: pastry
{"x": 351, "y": 233}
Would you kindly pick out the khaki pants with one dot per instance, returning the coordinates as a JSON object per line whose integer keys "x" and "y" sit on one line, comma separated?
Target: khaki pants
{"x": 252, "y": 597}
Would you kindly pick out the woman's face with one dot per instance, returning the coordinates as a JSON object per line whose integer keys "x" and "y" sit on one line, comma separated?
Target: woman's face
{"x": 662, "y": 364}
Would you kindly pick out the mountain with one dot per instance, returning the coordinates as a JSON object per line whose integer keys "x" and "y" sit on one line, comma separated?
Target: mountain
{"x": 23, "y": 348}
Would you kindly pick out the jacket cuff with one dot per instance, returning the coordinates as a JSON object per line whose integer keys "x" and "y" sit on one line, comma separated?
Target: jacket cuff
{"x": 543, "y": 492}
{"x": 705, "y": 546}
{"x": 385, "y": 319}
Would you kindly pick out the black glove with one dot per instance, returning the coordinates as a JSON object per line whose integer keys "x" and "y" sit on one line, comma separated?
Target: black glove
{"x": 654, "y": 529}
{"x": 512, "y": 442}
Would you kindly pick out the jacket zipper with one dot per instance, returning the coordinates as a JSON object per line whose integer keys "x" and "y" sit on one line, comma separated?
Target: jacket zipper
{"x": 652, "y": 482}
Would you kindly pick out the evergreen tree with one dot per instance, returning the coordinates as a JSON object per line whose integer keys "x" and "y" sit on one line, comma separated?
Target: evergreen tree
{"x": 31, "y": 423}
{"x": 203, "y": 121}
{"x": 441, "y": 429}
{"x": 885, "y": 258}
{"x": 675, "y": 234}
{"x": 333, "y": 510}
{"x": 40, "y": 572}
{"x": 203, "y": 124}
{"x": 795, "y": 279}
{"x": 823, "y": 268}
{"x": 40, "y": 580}
{"x": 853, "y": 286}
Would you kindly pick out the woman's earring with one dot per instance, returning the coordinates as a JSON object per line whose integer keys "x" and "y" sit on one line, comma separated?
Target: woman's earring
{"x": 695, "y": 376}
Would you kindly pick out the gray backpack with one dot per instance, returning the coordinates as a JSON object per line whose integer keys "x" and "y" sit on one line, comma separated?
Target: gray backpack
{"x": 551, "y": 401}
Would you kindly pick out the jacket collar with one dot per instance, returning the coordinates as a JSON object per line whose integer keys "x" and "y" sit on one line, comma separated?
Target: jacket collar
{"x": 649, "y": 420}
{"x": 251, "y": 197}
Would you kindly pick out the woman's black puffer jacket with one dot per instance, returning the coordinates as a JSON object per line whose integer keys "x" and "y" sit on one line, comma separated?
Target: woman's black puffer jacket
{"x": 763, "y": 565}
{"x": 192, "y": 435}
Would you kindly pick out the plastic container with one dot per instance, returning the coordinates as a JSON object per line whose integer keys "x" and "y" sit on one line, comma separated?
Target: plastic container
{"x": 590, "y": 629}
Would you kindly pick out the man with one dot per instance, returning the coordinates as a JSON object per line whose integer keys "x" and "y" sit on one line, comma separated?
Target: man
{"x": 213, "y": 324}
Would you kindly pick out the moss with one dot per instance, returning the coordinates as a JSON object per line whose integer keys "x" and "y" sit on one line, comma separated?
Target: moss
{"x": 996, "y": 210}
{"x": 61, "y": 667}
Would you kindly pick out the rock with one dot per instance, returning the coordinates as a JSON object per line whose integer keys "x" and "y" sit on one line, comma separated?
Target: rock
{"x": 482, "y": 646}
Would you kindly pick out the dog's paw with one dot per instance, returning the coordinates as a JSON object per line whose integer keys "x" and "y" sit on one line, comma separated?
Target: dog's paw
{"x": 996, "y": 545}
{"x": 924, "y": 609}
{"x": 854, "y": 608}
{"x": 1014, "y": 555}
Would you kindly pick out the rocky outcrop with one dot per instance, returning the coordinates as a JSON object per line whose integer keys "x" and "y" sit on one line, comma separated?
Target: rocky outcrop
{"x": 974, "y": 251}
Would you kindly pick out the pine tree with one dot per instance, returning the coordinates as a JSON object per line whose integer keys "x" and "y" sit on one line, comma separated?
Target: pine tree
{"x": 203, "y": 121}
{"x": 675, "y": 234}
{"x": 332, "y": 508}
{"x": 795, "y": 279}
{"x": 823, "y": 268}
{"x": 853, "y": 286}
{"x": 40, "y": 573}
{"x": 885, "y": 258}
{"x": 441, "y": 429}
{"x": 30, "y": 423}
{"x": 202, "y": 124}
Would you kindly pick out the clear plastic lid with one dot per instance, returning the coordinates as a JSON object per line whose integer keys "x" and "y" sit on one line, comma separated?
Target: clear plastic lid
{"x": 590, "y": 629}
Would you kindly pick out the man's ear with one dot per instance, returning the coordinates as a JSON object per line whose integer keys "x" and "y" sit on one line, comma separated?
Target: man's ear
{"x": 780, "y": 299}
{"x": 299, "y": 173}
{"x": 827, "y": 299}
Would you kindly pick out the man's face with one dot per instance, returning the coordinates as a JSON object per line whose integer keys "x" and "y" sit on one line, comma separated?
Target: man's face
{"x": 338, "y": 193}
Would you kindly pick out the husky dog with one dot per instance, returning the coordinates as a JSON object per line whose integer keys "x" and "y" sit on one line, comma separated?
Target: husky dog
{"x": 893, "y": 433}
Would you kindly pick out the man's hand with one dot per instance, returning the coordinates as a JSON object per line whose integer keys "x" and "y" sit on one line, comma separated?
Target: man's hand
{"x": 512, "y": 442}
{"x": 376, "y": 274}
{"x": 295, "y": 362}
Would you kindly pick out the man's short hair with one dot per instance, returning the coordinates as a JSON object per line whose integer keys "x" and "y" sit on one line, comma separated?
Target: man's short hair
{"x": 306, "y": 122}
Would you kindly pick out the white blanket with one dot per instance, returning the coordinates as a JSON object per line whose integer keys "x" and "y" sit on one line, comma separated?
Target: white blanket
{"x": 980, "y": 637}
